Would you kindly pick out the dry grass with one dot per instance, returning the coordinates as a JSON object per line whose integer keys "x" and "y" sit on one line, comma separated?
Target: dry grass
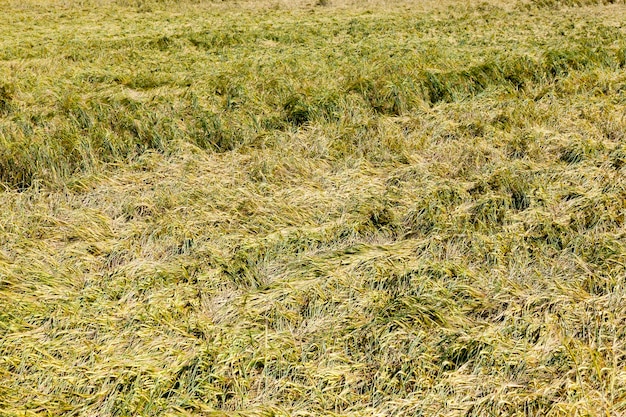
{"x": 338, "y": 208}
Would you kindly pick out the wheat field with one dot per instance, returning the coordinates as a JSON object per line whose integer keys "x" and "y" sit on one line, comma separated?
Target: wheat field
{"x": 323, "y": 208}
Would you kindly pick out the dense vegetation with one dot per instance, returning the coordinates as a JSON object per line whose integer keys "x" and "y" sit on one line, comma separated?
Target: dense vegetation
{"x": 312, "y": 209}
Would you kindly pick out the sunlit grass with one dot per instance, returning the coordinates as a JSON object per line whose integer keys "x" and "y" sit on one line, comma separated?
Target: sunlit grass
{"x": 312, "y": 209}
